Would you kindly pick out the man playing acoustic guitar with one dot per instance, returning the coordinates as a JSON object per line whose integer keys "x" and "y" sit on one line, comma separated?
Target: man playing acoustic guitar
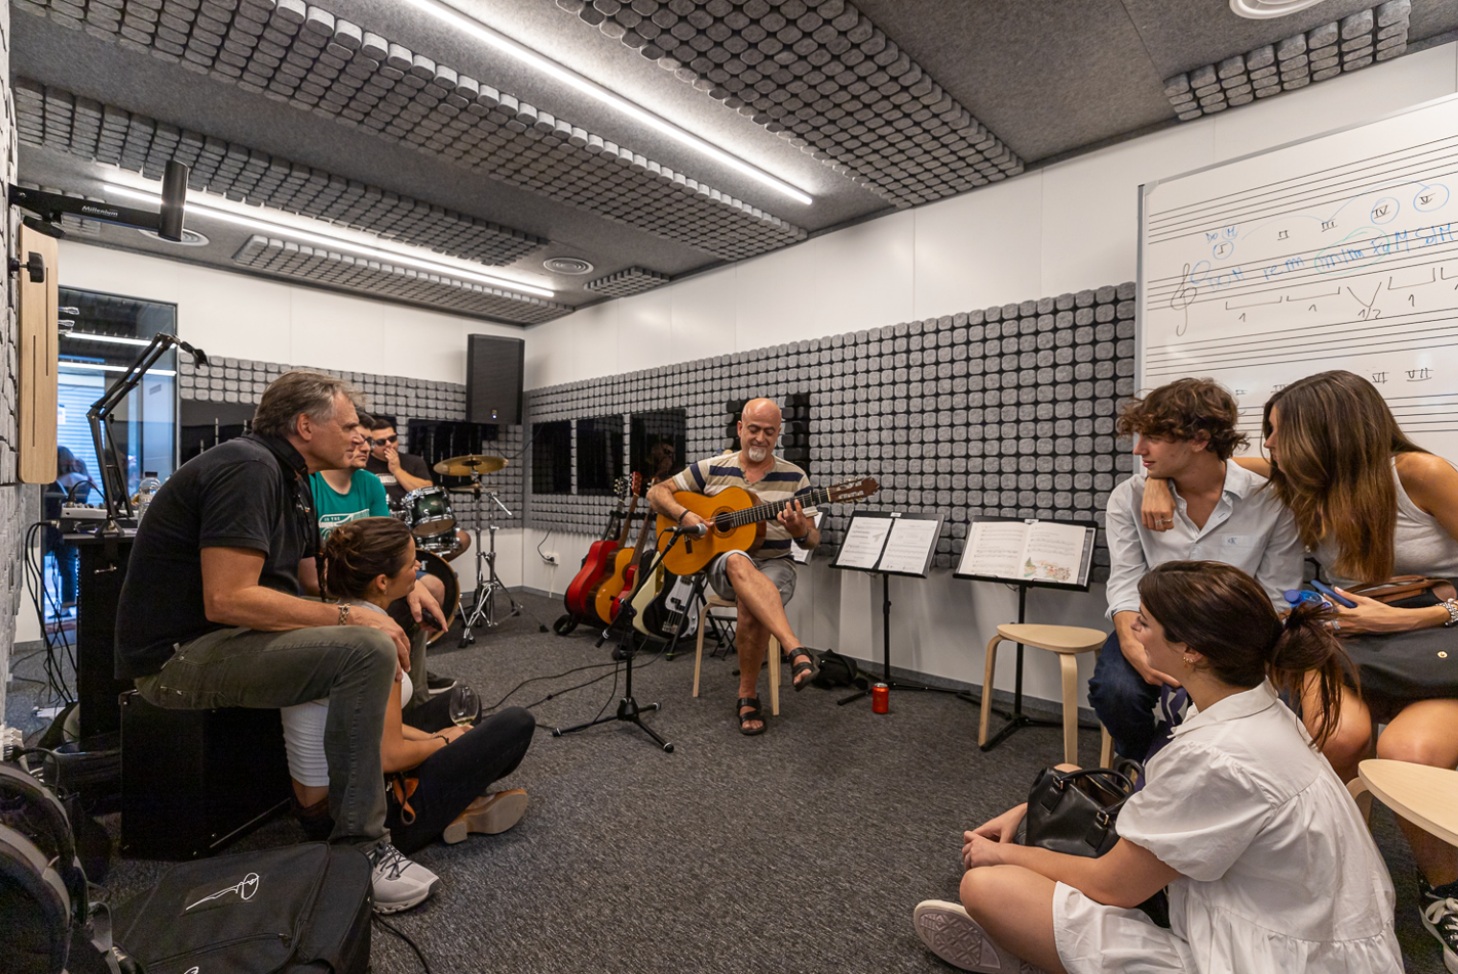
{"x": 762, "y": 581}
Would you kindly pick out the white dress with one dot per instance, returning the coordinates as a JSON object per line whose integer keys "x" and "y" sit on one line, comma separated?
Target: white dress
{"x": 1278, "y": 871}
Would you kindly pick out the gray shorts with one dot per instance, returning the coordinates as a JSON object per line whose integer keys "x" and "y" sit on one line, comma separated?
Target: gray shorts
{"x": 781, "y": 571}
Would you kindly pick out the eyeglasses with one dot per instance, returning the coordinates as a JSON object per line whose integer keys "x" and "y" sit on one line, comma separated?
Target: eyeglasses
{"x": 386, "y": 440}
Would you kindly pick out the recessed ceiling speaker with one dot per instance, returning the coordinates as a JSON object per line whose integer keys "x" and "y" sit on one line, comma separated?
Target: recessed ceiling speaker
{"x": 1269, "y": 9}
{"x": 493, "y": 379}
{"x": 567, "y": 265}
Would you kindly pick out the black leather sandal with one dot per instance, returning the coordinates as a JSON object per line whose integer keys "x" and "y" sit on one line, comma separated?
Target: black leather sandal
{"x": 806, "y": 665}
{"x": 745, "y": 716}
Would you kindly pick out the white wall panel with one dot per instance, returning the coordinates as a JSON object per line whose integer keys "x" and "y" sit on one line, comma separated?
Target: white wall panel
{"x": 336, "y": 335}
{"x": 703, "y": 315}
{"x": 864, "y": 277}
{"x": 645, "y": 331}
{"x": 549, "y": 360}
{"x": 979, "y": 249}
{"x": 594, "y": 341}
{"x": 777, "y": 296}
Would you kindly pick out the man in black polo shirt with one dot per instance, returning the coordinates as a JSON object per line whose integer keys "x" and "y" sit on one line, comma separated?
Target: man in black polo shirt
{"x": 210, "y": 613}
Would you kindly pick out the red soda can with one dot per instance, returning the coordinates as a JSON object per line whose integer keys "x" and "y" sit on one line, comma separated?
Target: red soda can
{"x": 880, "y": 699}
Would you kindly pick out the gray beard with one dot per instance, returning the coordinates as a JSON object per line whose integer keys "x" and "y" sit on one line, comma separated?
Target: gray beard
{"x": 756, "y": 454}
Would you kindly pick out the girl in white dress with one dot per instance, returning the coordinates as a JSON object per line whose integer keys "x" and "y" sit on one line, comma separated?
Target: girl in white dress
{"x": 1268, "y": 864}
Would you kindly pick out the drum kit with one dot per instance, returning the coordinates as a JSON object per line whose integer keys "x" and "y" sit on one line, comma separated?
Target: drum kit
{"x": 432, "y": 520}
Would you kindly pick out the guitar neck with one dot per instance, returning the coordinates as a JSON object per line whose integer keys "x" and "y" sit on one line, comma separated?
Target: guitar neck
{"x": 727, "y": 520}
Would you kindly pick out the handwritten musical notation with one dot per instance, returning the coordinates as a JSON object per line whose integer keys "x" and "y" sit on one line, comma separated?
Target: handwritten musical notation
{"x": 1336, "y": 253}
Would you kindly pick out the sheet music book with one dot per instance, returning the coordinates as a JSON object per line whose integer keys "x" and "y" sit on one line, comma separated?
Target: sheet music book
{"x": 802, "y": 555}
{"x": 1056, "y": 553}
{"x": 890, "y": 542}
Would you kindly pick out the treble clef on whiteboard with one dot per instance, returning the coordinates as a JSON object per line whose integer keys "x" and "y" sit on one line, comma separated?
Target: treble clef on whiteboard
{"x": 1183, "y": 297}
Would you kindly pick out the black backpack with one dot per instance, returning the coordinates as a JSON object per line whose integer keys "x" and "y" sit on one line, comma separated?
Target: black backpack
{"x": 42, "y": 884}
{"x": 838, "y": 671}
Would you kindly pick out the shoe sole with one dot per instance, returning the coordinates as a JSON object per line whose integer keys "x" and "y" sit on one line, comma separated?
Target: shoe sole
{"x": 1450, "y": 959}
{"x": 410, "y": 904}
{"x": 492, "y": 818}
{"x": 960, "y": 941}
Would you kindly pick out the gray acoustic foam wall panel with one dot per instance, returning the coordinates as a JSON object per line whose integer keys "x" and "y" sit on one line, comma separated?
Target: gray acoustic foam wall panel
{"x": 1005, "y": 411}
{"x": 393, "y": 282}
{"x": 51, "y": 118}
{"x": 820, "y": 74}
{"x": 301, "y": 54}
{"x": 231, "y": 380}
{"x": 631, "y": 280}
{"x": 1321, "y": 53}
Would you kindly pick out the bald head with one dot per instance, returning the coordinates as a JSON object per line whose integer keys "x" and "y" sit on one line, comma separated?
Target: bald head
{"x": 759, "y": 431}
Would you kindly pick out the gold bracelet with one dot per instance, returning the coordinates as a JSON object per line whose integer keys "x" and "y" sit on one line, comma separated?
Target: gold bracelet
{"x": 343, "y": 614}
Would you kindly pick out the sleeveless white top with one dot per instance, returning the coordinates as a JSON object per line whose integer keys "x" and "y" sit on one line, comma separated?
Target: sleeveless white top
{"x": 1421, "y": 545}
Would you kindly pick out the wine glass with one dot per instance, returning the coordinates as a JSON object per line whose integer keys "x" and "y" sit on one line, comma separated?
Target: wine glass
{"x": 465, "y": 707}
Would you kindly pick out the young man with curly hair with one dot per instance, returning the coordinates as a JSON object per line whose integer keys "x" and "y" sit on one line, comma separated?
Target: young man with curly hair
{"x": 1186, "y": 433}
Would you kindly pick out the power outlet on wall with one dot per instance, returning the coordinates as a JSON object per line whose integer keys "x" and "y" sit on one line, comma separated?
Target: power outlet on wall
{"x": 550, "y": 557}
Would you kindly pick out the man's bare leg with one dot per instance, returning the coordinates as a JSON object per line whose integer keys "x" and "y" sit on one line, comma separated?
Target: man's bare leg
{"x": 756, "y": 594}
{"x": 751, "y": 641}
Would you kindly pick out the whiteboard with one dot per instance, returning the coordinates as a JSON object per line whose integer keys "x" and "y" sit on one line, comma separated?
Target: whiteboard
{"x": 1338, "y": 252}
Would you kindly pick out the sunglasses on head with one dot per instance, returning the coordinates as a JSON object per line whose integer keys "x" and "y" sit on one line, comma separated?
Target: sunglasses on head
{"x": 386, "y": 439}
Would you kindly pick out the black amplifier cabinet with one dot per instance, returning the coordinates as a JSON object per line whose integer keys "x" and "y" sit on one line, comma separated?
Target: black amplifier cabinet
{"x": 194, "y": 780}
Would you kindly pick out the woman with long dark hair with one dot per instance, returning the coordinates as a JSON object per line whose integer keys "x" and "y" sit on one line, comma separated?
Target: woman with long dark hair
{"x": 442, "y": 772}
{"x": 1269, "y": 866}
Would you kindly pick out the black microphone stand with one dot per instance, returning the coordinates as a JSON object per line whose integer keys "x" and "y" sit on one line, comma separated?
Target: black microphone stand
{"x": 628, "y": 708}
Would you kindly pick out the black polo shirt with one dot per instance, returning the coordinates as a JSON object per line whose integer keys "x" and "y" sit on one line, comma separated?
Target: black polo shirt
{"x": 409, "y": 462}
{"x": 236, "y": 495}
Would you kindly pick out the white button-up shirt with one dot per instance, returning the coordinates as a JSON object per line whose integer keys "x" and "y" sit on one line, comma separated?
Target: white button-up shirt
{"x": 1249, "y": 528}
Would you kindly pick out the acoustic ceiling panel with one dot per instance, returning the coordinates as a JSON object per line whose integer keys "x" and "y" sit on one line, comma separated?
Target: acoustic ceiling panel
{"x": 392, "y": 282}
{"x": 822, "y": 75}
{"x": 54, "y": 119}
{"x": 1324, "y": 52}
{"x": 631, "y": 280}
{"x": 301, "y": 54}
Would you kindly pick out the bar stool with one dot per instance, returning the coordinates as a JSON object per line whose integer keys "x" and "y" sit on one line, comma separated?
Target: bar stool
{"x": 714, "y": 602}
{"x": 1067, "y": 642}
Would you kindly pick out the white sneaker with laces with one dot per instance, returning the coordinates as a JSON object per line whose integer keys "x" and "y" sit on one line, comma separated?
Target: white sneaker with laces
{"x": 394, "y": 885}
{"x": 960, "y": 941}
{"x": 1440, "y": 916}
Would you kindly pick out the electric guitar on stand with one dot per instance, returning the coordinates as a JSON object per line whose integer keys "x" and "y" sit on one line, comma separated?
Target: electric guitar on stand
{"x": 736, "y": 520}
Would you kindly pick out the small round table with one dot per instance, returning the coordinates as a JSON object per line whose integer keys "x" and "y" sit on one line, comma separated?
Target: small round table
{"x": 1425, "y": 796}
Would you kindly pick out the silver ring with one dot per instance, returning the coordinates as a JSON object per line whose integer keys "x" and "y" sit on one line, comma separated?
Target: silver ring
{"x": 1336, "y": 624}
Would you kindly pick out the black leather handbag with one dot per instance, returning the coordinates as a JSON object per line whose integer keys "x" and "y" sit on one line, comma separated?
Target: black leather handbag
{"x": 1074, "y": 811}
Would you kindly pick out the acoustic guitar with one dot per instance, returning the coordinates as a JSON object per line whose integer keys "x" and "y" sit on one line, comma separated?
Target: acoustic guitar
{"x": 599, "y": 560}
{"x": 736, "y": 520}
{"x": 625, "y": 563}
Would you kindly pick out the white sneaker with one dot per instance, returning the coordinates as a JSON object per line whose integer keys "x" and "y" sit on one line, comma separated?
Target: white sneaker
{"x": 394, "y": 887}
{"x": 960, "y": 941}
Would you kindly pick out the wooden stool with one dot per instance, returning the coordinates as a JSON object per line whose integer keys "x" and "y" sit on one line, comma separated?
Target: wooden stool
{"x": 714, "y": 602}
{"x": 1425, "y": 796}
{"x": 1067, "y": 642}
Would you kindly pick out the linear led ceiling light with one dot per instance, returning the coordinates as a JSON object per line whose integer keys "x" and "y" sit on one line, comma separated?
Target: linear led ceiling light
{"x": 469, "y": 25}
{"x": 218, "y": 208}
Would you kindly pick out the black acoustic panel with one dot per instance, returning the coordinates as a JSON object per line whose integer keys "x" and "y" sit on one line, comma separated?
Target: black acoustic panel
{"x": 493, "y": 379}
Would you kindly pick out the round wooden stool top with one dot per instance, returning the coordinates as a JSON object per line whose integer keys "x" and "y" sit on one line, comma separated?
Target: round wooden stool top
{"x": 1423, "y": 795}
{"x": 1056, "y": 639}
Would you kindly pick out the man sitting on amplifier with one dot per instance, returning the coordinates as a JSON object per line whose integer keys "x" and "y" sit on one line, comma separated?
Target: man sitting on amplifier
{"x": 402, "y": 473}
{"x": 211, "y": 615}
{"x": 759, "y": 584}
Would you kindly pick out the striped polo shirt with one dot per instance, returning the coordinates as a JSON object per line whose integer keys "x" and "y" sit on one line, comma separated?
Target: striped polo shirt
{"x": 779, "y": 485}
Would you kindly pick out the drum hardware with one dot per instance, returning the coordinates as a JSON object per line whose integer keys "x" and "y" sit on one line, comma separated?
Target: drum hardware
{"x": 488, "y": 583}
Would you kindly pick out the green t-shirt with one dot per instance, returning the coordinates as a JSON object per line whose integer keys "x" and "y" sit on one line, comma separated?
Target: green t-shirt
{"x": 366, "y": 498}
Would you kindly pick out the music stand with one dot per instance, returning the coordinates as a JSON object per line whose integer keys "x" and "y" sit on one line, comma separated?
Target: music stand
{"x": 890, "y": 543}
{"x": 1028, "y": 553}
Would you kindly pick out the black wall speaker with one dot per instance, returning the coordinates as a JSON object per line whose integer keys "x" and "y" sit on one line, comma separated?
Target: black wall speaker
{"x": 493, "y": 379}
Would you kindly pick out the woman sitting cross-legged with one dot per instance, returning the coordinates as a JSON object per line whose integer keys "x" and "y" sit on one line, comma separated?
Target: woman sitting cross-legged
{"x": 1269, "y": 866}
{"x": 368, "y": 564}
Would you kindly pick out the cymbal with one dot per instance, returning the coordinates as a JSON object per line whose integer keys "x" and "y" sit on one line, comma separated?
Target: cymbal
{"x": 469, "y": 465}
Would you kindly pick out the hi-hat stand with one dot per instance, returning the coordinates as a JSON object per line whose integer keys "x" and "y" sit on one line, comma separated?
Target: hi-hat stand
{"x": 629, "y": 709}
{"x": 488, "y": 583}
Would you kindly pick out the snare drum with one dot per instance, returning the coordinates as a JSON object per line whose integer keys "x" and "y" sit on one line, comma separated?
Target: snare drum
{"x": 434, "y": 564}
{"x": 429, "y": 511}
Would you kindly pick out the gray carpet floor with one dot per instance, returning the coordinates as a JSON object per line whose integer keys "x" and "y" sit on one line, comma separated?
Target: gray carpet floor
{"x": 801, "y": 850}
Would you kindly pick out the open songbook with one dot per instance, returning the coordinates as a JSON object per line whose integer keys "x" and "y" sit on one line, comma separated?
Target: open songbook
{"x": 1035, "y": 552}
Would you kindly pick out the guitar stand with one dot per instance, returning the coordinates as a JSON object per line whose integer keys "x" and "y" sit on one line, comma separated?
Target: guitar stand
{"x": 488, "y": 583}
{"x": 886, "y": 677}
{"x": 629, "y": 709}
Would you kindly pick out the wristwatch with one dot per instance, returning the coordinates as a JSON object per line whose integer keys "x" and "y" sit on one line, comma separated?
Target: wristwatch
{"x": 1452, "y": 606}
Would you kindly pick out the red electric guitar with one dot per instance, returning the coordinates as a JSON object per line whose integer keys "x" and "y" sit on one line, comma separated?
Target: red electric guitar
{"x": 599, "y": 561}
